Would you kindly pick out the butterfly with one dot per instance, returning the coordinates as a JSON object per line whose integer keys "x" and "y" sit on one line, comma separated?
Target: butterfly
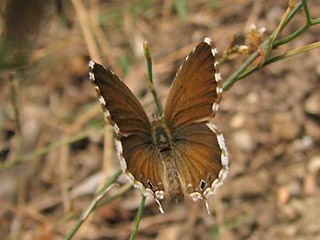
{"x": 182, "y": 153}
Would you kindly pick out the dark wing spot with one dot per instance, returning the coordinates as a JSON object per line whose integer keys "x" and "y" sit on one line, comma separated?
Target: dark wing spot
{"x": 202, "y": 185}
{"x": 150, "y": 184}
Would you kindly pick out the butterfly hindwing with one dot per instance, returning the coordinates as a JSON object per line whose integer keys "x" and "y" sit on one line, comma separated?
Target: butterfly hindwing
{"x": 201, "y": 159}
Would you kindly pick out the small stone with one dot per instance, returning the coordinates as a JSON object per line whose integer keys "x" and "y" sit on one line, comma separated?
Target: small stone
{"x": 290, "y": 213}
{"x": 314, "y": 164}
{"x": 237, "y": 120}
{"x": 312, "y": 129}
{"x": 244, "y": 140}
{"x": 294, "y": 188}
{"x": 318, "y": 69}
{"x": 303, "y": 144}
{"x": 284, "y": 127}
{"x": 8, "y": 185}
{"x": 283, "y": 196}
{"x": 312, "y": 104}
{"x": 310, "y": 184}
{"x": 252, "y": 98}
{"x": 310, "y": 180}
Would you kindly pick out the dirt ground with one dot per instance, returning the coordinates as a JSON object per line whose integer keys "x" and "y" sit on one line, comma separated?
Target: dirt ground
{"x": 51, "y": 121}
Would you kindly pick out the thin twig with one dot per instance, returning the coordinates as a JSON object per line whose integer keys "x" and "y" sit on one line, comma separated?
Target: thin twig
{"x": 272, "y": 38}
{"x": 27, "y": 211}
{"x": 64, "y": 176}
{"x": 137, "y": 219}
{"x": 43, "y": 151}
{"x": 107, "y": 151}
{"x": 93, "y": 204}
{"x": 87, "y": 33}
{"x": 294, "y": 52}
{"x": 106, "y": 50}
{"x": 14, "y": 98}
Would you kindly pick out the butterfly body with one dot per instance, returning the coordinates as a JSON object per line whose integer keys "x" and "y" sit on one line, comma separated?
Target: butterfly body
{"x": 163, "y": 145}
{"x": 172, "y": 187}
{"x": 181, "y": 154}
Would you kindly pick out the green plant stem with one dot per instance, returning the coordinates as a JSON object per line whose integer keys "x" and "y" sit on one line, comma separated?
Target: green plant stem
{"x": 292, "y": 13}
{"x": 283, "y": 56}
{"x": 159, "y": 109}
{"x": 121, "y": 191}
{"x": 93, "y": 204}
{"x": 297, "y": 33}
{"x": 315, "y": 21}
{"x": 294, "y": 52}
{"x": 272, "y": 38}
{"x": 138, "y": 217}
{"x": 241, "y": 73}
{"x": 309, "y": 22}
{"x": 289, "y": 17}
{"x": 234, "y": 77}
{"x": 291, "y": 36}
{"x": 307, "y": 11}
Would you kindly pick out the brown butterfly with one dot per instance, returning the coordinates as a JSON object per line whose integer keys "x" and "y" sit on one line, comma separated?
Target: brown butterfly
{"x": 182, "y": 153}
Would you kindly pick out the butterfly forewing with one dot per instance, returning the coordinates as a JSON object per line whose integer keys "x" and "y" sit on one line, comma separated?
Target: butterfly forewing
{"x": 138, "y": 159}
{"x": 194, "y": 93}
{"x": 121, "y": 107}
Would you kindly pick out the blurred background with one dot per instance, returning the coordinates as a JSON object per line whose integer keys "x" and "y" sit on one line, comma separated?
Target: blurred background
{"x": 56, "y": 150}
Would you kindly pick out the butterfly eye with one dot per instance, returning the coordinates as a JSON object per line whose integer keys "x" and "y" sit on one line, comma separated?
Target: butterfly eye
{"x": 202, "y": 184}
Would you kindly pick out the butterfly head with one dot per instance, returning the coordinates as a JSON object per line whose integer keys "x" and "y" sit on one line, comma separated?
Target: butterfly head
{"x": 161, "y": 137}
